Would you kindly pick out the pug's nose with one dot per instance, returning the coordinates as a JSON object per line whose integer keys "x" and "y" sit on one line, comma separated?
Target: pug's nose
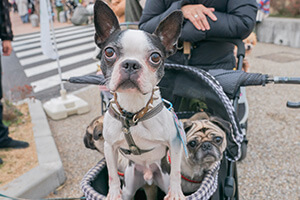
{"x": 206, "y": 146}
{"x": 131, "y": 66}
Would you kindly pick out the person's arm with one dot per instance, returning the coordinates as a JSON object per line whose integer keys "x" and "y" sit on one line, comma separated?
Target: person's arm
{"x": 118, "y": 7}
{"x": 6, "y": 34}
{"x": 155, "y": 11}
{"x": 6, "y": 31}
{"x": 237, "y": 22}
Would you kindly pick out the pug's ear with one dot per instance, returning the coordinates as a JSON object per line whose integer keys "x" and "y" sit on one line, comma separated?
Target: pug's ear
{"x": 223, "y": 124}
{"x": 187, "y": 125}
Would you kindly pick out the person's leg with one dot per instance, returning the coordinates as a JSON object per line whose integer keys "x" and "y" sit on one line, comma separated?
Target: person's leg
{"x": 5, "y": 140}
{"x": 3, "y": 129}
{"x": 27, "y": 18}
{"x": 23, "y": 18}
{"x": 58, "y": 10}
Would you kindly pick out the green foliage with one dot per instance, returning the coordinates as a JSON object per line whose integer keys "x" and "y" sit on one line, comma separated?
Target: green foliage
{"x": 285, "y": 8}
{"x": 11, "y": 114}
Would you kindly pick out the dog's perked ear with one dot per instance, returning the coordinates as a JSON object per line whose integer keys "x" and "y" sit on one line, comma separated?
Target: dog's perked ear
{"x": 105, "y": 21}
{"x": 169, "y": 31}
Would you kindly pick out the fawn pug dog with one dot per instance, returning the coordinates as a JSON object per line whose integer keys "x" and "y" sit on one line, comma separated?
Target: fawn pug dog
{"x": 137, "y": 124}
{"x": 206, "y": 142}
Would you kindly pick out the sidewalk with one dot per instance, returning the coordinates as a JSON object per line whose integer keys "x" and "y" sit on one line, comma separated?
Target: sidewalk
{"x": 19, "y": 28}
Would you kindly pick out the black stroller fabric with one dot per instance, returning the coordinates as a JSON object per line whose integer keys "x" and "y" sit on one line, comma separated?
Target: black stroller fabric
{"x": 231, "y": 80}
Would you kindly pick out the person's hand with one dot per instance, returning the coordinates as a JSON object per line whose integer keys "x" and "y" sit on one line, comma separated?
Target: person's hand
{"x": 197, "y": 15}
{"x": 6, "y": 47}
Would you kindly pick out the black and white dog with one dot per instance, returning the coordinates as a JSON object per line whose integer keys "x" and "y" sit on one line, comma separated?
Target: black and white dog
{"x": 137, "y": 124}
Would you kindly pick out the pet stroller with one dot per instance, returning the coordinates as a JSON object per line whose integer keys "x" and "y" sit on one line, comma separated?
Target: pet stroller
{"x": 191, "y": 90}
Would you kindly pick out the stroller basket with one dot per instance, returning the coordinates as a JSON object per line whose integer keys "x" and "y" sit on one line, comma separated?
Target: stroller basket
{"x": 97, "y": 176}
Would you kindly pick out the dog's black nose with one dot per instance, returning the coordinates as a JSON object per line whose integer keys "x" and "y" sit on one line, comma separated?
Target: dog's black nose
{"x": 206, "y": 146}
{"x": 131, "y": 66}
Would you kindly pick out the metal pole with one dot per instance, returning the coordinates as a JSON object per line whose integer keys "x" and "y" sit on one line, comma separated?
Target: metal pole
{"x": 62, "y": 88}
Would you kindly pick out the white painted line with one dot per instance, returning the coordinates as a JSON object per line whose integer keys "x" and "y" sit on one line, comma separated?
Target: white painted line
{"x": 38, "y": 38}
{"x": 39, "y": 58}
{"x": 53, "y": 64}
{"x": 68, "y": 28}
{"x": 52, "y": 81}
{"x": 59, "y": 46}
{"x": 59, "y": 40}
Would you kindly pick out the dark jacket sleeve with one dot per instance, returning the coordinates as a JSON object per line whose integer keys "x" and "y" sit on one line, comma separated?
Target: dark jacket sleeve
{"x": 5, "y": 25}
{"x": 155, "y": 11}
{"x": 237, "y": 22}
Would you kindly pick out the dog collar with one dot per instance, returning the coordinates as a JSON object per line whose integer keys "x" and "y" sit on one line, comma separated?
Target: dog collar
{"x": 138, "y": 115}
{"x": 183, "y": 177}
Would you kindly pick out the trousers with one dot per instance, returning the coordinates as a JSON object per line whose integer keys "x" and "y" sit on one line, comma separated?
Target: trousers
{"x": 4, "y": 138}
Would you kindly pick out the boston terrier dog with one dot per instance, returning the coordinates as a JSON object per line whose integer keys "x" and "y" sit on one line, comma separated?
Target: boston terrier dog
{"x": 137, "y": 124}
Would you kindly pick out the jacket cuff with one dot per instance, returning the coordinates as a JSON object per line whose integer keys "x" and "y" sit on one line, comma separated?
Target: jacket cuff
{"x": 183, "y": 3}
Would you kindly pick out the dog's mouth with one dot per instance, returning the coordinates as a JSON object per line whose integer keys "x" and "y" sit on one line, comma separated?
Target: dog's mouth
{"x": 209, "y": 158}
{"x": 128, "y": 85}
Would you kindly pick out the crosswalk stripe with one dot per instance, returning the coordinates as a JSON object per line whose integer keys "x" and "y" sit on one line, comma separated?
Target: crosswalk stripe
{"x": 59, "y": 46}
{"x": 70, "y": 38}
{"x": 75, "y": 46}
{"x": 53, "y": 64}
{"x": 38, "y": 39}
{"x": 52, "y": 81}
{"x": 39, "y": 58}
{"x": 37, "y": 34}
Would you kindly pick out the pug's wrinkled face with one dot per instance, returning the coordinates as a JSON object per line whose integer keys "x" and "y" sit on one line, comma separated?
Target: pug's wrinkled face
{"x": 206, "y": 142}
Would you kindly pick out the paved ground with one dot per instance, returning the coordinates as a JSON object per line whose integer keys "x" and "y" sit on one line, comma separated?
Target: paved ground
{"x": 28, "y": 66}
{"x": 271, "y": 169}
{"x": 19, "y": 28}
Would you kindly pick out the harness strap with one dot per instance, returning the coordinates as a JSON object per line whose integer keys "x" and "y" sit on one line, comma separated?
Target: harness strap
{"x": 127, "y": 123}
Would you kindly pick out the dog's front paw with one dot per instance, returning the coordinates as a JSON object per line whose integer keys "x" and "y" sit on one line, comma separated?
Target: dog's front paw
{"x": 174, "y": 195}
{"x": 114, "y": 195}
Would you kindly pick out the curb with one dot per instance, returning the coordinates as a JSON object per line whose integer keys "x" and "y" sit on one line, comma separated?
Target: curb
{"x": 45, "y": 178}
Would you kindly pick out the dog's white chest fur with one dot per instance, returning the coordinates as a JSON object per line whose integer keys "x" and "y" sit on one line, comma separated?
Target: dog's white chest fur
{"x": 149, "y": 134}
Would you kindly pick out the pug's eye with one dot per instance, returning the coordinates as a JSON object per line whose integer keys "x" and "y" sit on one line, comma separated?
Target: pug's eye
{"x": 155, "y": 58}
{"x": 218, "y": 140}
{"x": 110, "y": 52}
{"x": 192, "y": 144}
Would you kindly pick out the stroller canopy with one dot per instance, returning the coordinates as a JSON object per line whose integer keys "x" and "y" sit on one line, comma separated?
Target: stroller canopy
{"x": 190, "y": 82}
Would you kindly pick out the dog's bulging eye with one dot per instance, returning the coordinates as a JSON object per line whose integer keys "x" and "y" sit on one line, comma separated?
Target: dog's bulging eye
{"x": 109, "y": 52}
{"x": 192, "y": 144}
{"x": 155, "y": 58}
{"x": 218, "y": 140}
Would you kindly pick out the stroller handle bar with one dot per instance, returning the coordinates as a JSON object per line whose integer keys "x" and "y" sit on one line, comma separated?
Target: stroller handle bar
{"x": 285, "y": 80}
{"x": 293, "y": 104}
